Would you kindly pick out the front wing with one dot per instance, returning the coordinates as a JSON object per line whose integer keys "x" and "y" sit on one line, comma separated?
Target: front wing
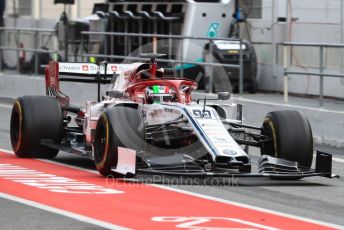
{"x": 268, "y": 167}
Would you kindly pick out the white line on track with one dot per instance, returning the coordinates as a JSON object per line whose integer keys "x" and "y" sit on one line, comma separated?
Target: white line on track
{"x": 213, "y": 198}
{"x": 274, "y": 103}
{"x": 339, "y": 160}
{"x": 288, "y": 105}
{"x": 252, "y": 207}
{"x": 6, "y": 106}
{"x": 61, "y": 212}
{"x": 336, "y": 159}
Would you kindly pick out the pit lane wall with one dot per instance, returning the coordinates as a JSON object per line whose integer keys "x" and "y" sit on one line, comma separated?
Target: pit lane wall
{"x": 327, "y": 125}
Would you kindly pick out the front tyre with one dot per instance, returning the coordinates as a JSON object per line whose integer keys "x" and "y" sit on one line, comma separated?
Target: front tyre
{"x": 117, "y": 127}
{"x": 291, "y": 137}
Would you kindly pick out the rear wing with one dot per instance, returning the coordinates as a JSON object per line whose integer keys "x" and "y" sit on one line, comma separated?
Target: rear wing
{"x": 90, "y": 69}
{"x": 77, "y": 72}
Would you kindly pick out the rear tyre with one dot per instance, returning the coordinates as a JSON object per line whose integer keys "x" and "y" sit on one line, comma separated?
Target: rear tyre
{"x": 117, "y": 127}
{"x": 291, "y": 136}
{"x": 35, "y": 118}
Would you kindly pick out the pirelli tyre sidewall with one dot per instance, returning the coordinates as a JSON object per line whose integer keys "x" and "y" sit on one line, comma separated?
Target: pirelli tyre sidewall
{"x": 35, "y": 118}
{"x": 291, "y": 137}
{"x": 118, "y": 126}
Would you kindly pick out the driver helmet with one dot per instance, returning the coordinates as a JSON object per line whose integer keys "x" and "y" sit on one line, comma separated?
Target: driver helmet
{"x": 158, "y": 93}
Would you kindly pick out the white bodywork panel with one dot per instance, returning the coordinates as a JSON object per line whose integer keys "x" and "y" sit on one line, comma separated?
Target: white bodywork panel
{"x": 208, "y": 128}
{"x": 216, "y": 137}
{"x": 126, "y": 161}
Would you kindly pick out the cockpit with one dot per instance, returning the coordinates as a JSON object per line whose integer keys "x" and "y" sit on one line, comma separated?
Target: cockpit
{"x": 146, "y": 84}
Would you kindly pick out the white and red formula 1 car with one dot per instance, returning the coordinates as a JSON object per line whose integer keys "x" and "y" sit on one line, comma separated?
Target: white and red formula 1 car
{"x": 147, "y": 123}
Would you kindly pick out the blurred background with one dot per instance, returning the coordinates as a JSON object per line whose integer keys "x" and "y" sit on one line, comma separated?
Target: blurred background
{"x": 300, "y": 39}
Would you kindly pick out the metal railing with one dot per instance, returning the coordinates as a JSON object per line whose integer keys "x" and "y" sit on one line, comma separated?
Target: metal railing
{"x": 128, "y": 37}
{"x": 37, "y": 33}
{"x": 287, "y": 56}
{"x": 37, "y": 36}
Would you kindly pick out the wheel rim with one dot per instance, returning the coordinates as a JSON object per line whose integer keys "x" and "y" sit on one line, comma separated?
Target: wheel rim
{"x": 269, "y": 130}
{"x": 101, "y": 143}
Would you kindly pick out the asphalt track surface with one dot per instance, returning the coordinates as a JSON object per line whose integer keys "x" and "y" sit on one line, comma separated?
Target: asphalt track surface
{"x": 319, "y": 199}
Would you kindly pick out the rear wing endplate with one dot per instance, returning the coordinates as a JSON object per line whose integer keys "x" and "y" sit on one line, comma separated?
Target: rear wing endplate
{"x": 77, "y": 72}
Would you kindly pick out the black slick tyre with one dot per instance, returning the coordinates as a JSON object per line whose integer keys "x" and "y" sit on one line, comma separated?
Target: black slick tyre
{"x": 291, "y": 137}
{"x": 35, "y": 118}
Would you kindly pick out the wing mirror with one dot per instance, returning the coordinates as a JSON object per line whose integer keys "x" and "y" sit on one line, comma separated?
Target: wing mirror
{"x": 223, "y": 95}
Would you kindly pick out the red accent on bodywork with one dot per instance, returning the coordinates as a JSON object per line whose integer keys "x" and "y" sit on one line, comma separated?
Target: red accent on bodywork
{"x": 138, "y": 87}
{"x": 52, "y": 76}
{"x": 52, "y": 83}
{"x": 81, "y": 114}
{"x": 153, "y": 69}
{"x": 85, "y": 68}
{"x": 167, "y": 89}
